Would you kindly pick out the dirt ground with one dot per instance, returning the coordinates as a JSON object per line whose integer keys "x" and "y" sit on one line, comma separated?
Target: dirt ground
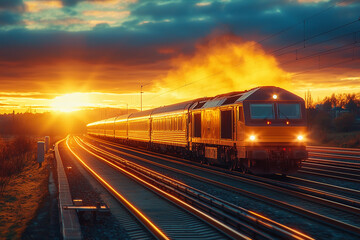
{"x": 22, "y": 198}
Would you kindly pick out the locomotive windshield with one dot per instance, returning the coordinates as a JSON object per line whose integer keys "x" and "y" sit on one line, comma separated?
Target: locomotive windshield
{"x": 289, "y": 111}
{"x": 262, "y": 111}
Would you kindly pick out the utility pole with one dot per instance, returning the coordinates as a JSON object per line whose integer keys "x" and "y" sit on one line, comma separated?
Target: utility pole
{"x": 141, "y": 92}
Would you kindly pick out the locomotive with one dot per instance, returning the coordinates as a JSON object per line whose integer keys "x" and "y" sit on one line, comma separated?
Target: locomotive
{"x": 262, "y": 130}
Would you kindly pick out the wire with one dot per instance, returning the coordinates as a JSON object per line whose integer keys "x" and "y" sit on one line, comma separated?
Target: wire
{"x": 327, "y": 66}
{"x": 272, "y": 36}
{"x": 321, "y": 42}
{"x": 326, "y": 52}
{"x": 317, "y": 35}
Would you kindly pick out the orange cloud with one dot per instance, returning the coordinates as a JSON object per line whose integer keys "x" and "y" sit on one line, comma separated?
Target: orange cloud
{"x": 37, "y": 6}
{"x": 107, "y": 14}
{"x": 223, "y": 64}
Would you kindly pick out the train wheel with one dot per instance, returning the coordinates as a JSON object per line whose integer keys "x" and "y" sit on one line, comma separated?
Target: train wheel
{"x": 242, "y": 169}
{"x": 231, "y": 166}
{"x": 230, "y": 161}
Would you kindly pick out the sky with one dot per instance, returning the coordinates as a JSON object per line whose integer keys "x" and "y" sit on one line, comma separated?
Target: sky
{"x": 66, "y": 55}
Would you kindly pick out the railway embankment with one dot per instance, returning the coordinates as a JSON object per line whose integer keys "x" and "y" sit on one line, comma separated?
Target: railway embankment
{"x": 28, "y": 208}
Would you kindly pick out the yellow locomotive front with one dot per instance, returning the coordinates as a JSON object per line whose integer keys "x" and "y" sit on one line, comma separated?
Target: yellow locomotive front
{"x": 272, "y": 127}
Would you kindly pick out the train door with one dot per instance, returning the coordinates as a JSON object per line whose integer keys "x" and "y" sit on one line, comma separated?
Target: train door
{"x": 226, "y": 121}
{"x": 197, "y": 125}
{"x": 240, "y": 124}
{"x": 240, "y": 132}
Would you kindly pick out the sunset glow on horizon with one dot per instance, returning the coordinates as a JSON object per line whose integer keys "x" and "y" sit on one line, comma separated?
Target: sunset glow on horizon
{"x": 69, "y": 55}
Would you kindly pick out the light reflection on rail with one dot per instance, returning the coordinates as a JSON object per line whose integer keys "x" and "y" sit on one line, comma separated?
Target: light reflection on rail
{"x": 154, "y": 229}
{"x": 302, "y": 235}
{"x": 229, "y": 230}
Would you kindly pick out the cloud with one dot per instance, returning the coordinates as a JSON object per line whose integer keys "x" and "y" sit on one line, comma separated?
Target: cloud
{"x": 16, "y": 5}
{"x": 72, "y": 3}
{"x": 9, "y": 18}
{"x": 37, "y": 6}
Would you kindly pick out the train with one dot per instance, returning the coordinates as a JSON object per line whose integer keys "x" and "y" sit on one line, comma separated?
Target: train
{"x": 262, "y": 130}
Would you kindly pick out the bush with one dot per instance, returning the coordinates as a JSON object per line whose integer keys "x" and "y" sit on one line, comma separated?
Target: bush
{"x": 13, "y": 157}
{"x": 320, "y": 120}
{"x": 345, "y": 122}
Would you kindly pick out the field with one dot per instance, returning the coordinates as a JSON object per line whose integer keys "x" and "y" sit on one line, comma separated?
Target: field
{"x": 23, "y": 185}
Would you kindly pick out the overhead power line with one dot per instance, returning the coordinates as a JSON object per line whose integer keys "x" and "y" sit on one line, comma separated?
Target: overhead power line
{"x": 282, "y": 48}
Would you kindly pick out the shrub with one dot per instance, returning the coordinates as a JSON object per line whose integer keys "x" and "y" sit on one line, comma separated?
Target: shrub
{"x": 345, "y": 122}
{"x": 13, "y": 157}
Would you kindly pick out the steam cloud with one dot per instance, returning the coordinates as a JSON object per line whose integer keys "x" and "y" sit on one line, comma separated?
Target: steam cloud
{"x": 220, "y": 64}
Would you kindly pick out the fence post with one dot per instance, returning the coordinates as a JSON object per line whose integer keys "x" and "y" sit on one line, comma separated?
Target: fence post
{"x": 40, "y": 152}
{"x": 47, "y": 143}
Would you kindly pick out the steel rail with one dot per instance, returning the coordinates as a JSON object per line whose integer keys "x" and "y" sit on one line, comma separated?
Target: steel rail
{"x": 255, "y": 217}
{"x": 301, "y": 211}
{"x": 337, "y": 175}
{"x": 327, "y": 155}
{"x": 320, "y": 148}
{"x": 327, "y": 185}
{"x": 136, "y": 212}
{"x": 327, "y": 175}
{"x": 167, "y": 157}
{"x": 202, "y": 215}
{"x": 334, "y": 163}
{"x": 289, "y": 189}
{"x": 353, "y": 172}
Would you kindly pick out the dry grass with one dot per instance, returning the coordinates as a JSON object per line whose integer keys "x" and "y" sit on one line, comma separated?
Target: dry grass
{"x": 21, "y": 198}
{"x": 14, "y": 155}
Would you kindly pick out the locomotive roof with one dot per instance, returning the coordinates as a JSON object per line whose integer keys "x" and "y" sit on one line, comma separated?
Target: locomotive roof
{"x": 260, "y": 93}
{"x": 266, "y": 92}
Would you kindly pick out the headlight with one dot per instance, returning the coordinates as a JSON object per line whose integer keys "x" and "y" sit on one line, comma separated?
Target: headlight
{"x": 252, "y": 138}
{"x": 300, "y": 137}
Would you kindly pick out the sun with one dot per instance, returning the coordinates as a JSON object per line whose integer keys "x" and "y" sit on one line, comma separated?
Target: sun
{"x": 70, "y": 102}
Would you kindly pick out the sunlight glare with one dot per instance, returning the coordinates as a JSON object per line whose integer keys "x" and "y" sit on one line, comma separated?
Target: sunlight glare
{"x": 70, "y": 102}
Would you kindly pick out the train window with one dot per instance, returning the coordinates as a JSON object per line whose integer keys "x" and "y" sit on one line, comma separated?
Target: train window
{"x": 197, "y": 125}
{"x": 289, "y": 111}
{"x": 262, "y": 110}
{"x": 241, "y": 114}
{"x": 226, "y": 124}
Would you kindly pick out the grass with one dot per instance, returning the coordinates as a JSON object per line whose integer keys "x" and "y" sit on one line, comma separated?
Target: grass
{"x": 23, "y": 185}
{"x": 14, "y": 155}
{"x": 22, "y": 198}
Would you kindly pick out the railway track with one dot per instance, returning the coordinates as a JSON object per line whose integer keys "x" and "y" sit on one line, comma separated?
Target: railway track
{"x": 253, "y": 224}
{"x": 324, "y": 199}
{"x": 156, "y": 209}
{"x": 338, "y": 163}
